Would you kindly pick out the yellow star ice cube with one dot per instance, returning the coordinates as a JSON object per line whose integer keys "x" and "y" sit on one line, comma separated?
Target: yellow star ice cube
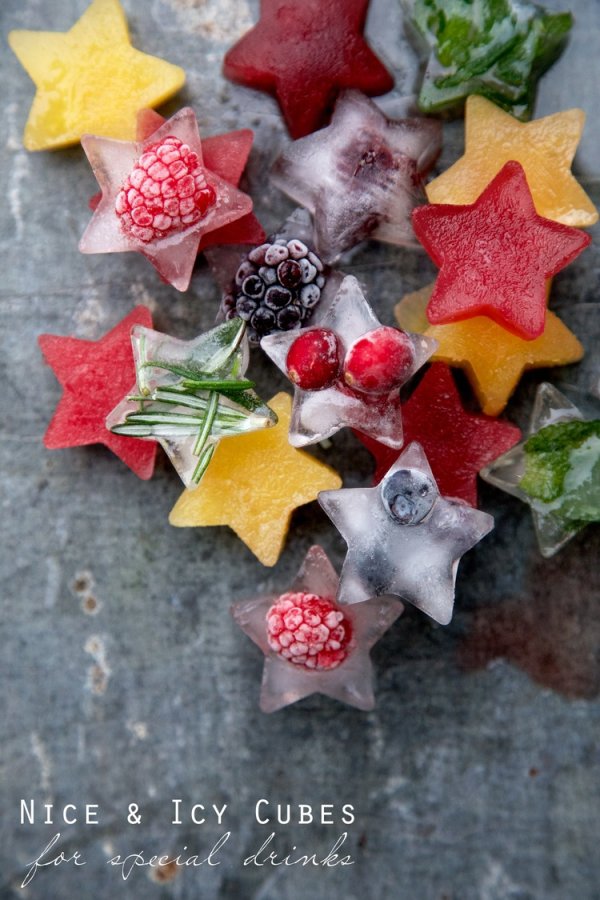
{"x": 544, "y": 147}
{"x": 90, "y": 79}
{"x": 254, "y": 483}
{"x": 493, "y": 358}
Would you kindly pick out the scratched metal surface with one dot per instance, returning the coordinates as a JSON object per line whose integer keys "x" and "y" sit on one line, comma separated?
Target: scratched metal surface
{"x": 124, "y": 679}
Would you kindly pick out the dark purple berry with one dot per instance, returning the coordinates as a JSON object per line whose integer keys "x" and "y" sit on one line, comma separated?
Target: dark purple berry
{"x": 253, "y": 286}
{"x": 276, "y": 254}
{"x": 310, "y": 295}
{"x": 309, "y": 272}
{"x": 289, "y": 318}
{"x": 258, "y": 254}
{"x": 245, "y": 307}
{"x": 245, "y": 269}
{"x": 289, "y": 273}
{"x": 277, "y": 297}
{"x": 268, "y": 275}
{"x": 263, "y": 320}
{"x": 297, "y": 249}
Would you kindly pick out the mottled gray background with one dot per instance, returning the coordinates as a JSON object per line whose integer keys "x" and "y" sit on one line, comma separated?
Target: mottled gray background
{"x": 124, "y": 678}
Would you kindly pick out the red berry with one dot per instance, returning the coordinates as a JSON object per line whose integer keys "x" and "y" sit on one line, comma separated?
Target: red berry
{"x": 309, "y": 631}
{"x": 379, "y": 361}
{"x": 165, "y": 192}
{"x": 313, "y": 360}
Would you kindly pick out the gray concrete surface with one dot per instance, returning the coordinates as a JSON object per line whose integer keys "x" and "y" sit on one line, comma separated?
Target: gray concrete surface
{"x": 124, "y": 679}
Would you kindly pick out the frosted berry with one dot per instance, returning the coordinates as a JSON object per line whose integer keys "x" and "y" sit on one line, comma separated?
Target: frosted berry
{"x": 379, "y": 361}
{"x": 284, "y": 278}
{"x": 313, "y": 360}
{"x": 165, "y": 192}
{"x": 308, "y": 630}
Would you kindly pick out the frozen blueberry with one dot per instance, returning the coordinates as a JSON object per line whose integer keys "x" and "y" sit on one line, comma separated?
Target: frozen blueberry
{"x": 277, "y": 297}
{"x": 314, "y": 259}
{"x": 408, "y": 495}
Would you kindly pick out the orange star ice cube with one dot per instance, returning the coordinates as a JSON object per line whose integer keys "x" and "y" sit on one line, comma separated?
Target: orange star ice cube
{"x": 493, "y": 358}
{"x": 544, "y": 147}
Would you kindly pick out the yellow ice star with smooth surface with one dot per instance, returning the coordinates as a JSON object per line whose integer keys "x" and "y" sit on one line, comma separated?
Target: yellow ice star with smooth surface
{"x": 254, "y": 483}
{"x": 494, "y": 359}
{"x": 544, "y": 147}
{"x": 90, "y": 79}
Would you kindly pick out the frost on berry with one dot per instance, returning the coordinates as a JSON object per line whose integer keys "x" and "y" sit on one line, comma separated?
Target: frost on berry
{"x": 308, "y": 630}
{"x": 165, "y": 192}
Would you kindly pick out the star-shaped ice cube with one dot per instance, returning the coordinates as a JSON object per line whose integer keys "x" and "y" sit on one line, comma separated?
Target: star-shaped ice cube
{"x": 158, "y": 198}
{"x": 556, "y": 470}
{"x": 403, "y": 538}
{"x": 90, "y": 78}
{"x": 321, "y": 411}
{"x": 190, "y": 394}
{"x": 360, "y": 177}
{"x": 329, "y": 643}
{"x": 498, "y": 48}
{"x": 304, "y": 54}
{"x": 94, "y": 375}
{"x": 495, "y": 255}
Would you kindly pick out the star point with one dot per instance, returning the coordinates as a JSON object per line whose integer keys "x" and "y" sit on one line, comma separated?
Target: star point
{"x": 90, "y": 79}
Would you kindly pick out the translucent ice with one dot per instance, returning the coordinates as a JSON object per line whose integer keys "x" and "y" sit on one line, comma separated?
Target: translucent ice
{"x": 361, "y": 176}
{"x": 158, "y": 199}
{"x": 344, "y": 400}
{"x": 403, "y": 538}
{"x": 190, "y": 394}
{"x": 556, "y": 470}
{"x": 312, "y": 645}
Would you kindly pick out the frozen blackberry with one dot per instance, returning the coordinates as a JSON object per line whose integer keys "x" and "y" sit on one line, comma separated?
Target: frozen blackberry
{"x": 276, "y": 287}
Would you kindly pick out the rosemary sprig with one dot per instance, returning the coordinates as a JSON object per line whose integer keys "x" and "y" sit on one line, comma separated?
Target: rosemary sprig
{"x": 200, "y": 398}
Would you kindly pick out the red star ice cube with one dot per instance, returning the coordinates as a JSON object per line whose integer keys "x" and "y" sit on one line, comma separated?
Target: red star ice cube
{"x": 305, "y": 54}
{"x": 95, "y": 375}
{"x": 495, "y": 255}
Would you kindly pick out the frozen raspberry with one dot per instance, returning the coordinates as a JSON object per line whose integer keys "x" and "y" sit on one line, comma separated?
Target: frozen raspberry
{"x": 309, "y": 631}
{"x": 165, "y": 192}
{"x": 284, "y": 279}
{"x": 313, "y": 360}
{"x": 379, "y": 362}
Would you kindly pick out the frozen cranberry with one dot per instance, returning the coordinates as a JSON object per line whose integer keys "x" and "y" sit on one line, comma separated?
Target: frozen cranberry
{"x": 313, "y": 360}
{"x": 379, "y": 361}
